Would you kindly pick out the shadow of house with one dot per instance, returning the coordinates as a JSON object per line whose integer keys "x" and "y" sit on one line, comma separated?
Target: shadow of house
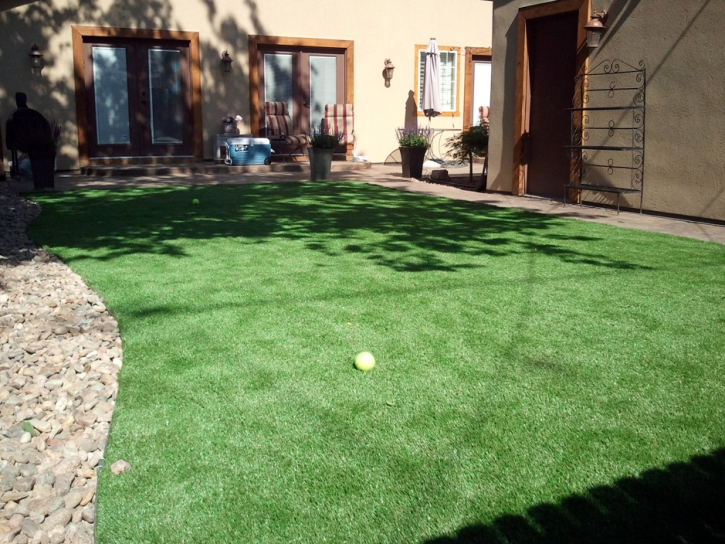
{"x": 682, "y": 502}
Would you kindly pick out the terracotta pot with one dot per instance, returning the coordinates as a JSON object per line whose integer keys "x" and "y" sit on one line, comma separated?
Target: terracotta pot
{"x": 412, "y": 159}
{"x": 320, "y": 163}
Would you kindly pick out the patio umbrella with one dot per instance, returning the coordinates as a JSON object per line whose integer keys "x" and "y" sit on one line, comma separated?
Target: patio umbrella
{"x": 432, "y": 81}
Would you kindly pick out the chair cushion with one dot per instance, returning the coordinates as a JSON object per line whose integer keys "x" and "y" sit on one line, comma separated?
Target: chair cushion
{"x": 339, "y": 119}
{"x": 279, "y": 123}
{"x": 484, "y": 114}
{"x": 297, "y": 139}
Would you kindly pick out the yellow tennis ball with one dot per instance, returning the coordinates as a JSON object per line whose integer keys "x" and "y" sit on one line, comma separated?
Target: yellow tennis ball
{"x": 195, "y": 201}
{"x": 364, "y": 361}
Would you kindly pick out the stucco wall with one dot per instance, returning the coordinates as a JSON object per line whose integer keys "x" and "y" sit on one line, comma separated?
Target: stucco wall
{"x": 678, "y": 41}
{"x": 380, "y": 30}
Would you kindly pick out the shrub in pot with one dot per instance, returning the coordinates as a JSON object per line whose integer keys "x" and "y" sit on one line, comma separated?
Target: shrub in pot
{"x": 323, "y": 144}
{"x": 469, "y": 144}
{"x": 413, "y": 142}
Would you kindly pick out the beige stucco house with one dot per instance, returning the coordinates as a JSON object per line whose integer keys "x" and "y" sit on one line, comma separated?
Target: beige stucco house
{"x": 540, "y": 47}
{"x": 142, "y": 80}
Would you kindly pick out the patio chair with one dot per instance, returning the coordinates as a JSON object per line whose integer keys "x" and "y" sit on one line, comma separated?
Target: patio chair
{"x": 279, "y": 126}
{"x": 339, "y": 118}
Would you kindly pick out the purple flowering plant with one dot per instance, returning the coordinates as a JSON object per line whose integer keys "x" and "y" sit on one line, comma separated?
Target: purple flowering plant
{"x": 413, "y": 136}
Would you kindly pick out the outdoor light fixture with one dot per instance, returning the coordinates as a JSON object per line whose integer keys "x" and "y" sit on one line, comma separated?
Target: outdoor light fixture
{"x": 595, "y": 28}
{"x": 36, "y": 56}
{"x": 388, "y": 72}
{"x": 226, "y": 62}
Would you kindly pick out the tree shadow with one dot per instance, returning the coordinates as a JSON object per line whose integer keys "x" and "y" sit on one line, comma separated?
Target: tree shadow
{"x": 401, "y": 231}
{"x": 681, "y": 503}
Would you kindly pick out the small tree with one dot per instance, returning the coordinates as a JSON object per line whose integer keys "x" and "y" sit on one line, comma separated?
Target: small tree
{"x": 468, "y": 144}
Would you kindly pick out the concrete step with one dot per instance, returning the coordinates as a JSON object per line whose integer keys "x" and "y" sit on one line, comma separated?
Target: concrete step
{"x": 138, "y": 170}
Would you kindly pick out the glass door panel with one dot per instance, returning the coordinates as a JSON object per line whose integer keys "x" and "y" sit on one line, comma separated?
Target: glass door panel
{"x": 110, "y": 82}
{"x": 167, "y": 98}
{"x": 279, "y": 80}
{"x": 323, "y": 87}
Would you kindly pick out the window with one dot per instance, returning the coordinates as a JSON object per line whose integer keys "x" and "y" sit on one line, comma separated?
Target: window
{"x": 449, "y": 79}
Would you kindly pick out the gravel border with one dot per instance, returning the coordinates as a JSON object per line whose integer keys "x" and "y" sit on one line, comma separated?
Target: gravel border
{"x": 60, "y": 353}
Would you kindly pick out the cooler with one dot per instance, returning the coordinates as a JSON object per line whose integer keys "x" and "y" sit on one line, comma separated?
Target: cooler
{"x": 247, "y": 151}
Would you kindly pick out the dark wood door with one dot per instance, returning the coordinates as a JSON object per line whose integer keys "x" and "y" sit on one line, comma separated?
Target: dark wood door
{"x": 138, "y": 98}
{"x": 552, "y": 68}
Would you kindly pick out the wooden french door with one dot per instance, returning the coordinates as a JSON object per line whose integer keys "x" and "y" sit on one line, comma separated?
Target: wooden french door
{"x": 138, "y": 98}
{"x": 304, "y": 78}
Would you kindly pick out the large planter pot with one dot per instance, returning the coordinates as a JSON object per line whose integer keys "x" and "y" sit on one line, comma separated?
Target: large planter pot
{"x": 320, "y": 163}
{"x": 43, "y": 166}
{"x": 412, "y": 159}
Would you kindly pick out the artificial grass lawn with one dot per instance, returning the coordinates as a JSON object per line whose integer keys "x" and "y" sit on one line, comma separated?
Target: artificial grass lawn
{"x": 537, "y": 378}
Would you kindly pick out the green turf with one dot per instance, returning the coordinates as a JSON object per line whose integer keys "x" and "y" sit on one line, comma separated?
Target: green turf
{"x": 525, "y": 364}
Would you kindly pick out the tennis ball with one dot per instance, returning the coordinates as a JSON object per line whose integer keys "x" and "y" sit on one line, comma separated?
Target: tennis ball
{"x": 364, "y": 361}
{"x": 195, "y": 201}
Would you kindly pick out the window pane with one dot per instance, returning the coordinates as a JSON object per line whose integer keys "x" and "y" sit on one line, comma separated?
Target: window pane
{"x": 421, "y": 78}
{"x": 111, "y": 93}
{"x": 481, "y": 88}
{"x": 167, "y": 99}
{"x": 323, "y": 86}
{"x": 278, "y": 79}
{"x": 448, "y": 80}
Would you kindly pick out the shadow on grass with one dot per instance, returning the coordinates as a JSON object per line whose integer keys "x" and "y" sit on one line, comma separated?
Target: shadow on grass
{"x": 683, "y": 503}
{"x": 403, "y": 231}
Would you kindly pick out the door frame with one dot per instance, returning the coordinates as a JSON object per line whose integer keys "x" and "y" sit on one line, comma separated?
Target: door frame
{"x": 468, "y": 85}
{"x": 583, "y": 7}
{"x": 255, "y": 41}
{"x": 81, "y": 32}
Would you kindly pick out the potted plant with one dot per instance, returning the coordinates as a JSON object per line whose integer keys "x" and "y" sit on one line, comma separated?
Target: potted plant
{"x": 323, "y": 144}
{"x": 469, "y": 144}
{"x": 230, "y": 123}
{"x": 413, "y": 143}
{"x": 42, "y": 159}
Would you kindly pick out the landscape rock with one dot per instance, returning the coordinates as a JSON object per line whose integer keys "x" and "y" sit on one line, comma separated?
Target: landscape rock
{"x": 120, "y": 466}
{"x": 60, "y": 517}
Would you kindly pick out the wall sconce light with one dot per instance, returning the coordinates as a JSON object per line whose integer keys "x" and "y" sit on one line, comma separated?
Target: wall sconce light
{"x": 36, "y": 57}
{"x": 595, "y": 28}
{"x": 226, "y": 62}
{"x": 388, "y": 72}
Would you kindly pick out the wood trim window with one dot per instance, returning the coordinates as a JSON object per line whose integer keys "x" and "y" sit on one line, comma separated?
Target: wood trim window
{"x": 81, "y": 34}
{"x": 255, "y": 42}
{"x": 583, "y": 7}
{"x": 473, "y": 54}
{"x": 450, "y": 79}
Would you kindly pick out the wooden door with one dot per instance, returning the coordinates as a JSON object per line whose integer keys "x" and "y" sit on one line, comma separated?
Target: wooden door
{"x": 552, "y": 67}
{"x": 304, "y": 78}
{"x": 138, "y": 98}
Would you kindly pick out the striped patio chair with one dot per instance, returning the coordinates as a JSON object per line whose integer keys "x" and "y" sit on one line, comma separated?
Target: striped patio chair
{"x": 339, "y": 119}
{"x": 484, "y": 113}
{"x": 279, "y": 127}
